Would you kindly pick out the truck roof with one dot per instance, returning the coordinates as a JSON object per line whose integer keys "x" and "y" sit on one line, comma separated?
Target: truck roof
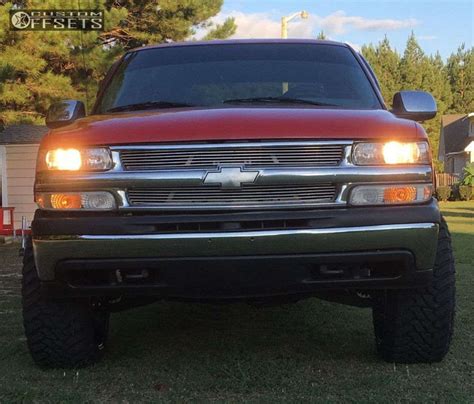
{"x": 242, "y": 41}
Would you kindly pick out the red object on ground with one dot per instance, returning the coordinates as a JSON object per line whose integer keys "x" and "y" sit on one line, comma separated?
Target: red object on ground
{"x": 6, "y": 221}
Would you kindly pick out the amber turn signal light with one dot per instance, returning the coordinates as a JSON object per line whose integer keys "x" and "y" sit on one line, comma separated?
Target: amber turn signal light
{"x": 94, "y": 200}
{"x": 399, "y": 194}
{"x": 390, "y": 194}
{"x": 66, "y": 201}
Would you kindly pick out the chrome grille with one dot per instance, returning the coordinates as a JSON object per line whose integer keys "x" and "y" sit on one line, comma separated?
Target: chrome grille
{"x": 248, "y": 154}
{"x": 249, "y": 196}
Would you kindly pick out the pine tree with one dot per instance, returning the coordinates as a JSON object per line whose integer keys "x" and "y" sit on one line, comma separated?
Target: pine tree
{"x": 412, "y": 64}
{"x": 222, "y": 31}
{"x": 435, "y": 81}
{"x": 385, "y": 62}
{"x": 460, "y": 68}
{"x": 40, "y": 67}
{"x": 149, "y": 22}
{"x": 321, "y": 35}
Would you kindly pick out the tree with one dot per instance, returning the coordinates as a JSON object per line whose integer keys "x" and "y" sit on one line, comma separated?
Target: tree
{"x": 385, "y": 62}
{"x": 40, "y": 67}
{"x": 435, "y": 81}
{"x": 222, "y": 31}
{"x": 460, "y": 70}
{"x": 27, "y": 83}
{"x": 167, "y": 20}
{"x": 321, "y": 35}
{"x": 412, "y": 64}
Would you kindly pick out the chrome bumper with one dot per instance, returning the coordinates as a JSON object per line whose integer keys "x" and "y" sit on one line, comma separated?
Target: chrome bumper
{"x": 419, "y": 238}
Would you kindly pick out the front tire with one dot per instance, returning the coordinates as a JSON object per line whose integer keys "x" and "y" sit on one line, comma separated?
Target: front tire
{"x": 60, "y": 334}
{"x": 416, "y": 325}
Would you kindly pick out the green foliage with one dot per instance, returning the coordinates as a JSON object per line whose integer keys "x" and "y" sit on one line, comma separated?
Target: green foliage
{"x": 385, "y": 62}
{"x": 38, "y": 68}
{"x": 460, "y": 68}
{"x": 222, "y": 31}
{"x": 412, "y": 65}
{"x": 443, "y": 193}
{"x": 167, "y": 20}
{"x": 465, "y": 192}
{"x": 321, "y": 35}
{"x": 468, "y": 175}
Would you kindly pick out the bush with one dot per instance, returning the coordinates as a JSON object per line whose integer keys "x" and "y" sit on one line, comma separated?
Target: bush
{"x": 465, "y": 192}
{"x": 468, "y": 175}
{"x": 443, "y": 193}
{"x": 455, "y": 192}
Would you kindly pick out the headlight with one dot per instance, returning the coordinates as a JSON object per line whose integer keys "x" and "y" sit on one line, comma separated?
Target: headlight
{"x": 394, "y": 194}
{"x": 76, "y": 200}
{"x": 75, "y": 159}
{"x": 391, "y": 153}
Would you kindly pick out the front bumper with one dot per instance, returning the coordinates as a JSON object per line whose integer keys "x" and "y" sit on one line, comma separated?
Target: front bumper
{"x": 383, "y": 248}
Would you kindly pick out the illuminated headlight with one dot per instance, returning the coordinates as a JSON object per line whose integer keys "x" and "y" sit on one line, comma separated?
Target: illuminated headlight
{"x": 391, "y": 153}
{"x": 97, "y": 159}
{"x": 390, "y": 194}
{"x": 76, "y": 200}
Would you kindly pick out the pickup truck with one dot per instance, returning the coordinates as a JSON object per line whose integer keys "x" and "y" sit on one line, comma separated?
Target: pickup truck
{"x": 263, "y": 171}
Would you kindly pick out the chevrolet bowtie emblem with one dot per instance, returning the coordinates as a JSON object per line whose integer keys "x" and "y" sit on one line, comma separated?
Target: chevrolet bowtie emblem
{"x": 230, "y": 177}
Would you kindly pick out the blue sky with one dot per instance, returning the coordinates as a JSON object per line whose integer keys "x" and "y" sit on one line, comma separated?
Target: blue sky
{"x": 438, "y": 24}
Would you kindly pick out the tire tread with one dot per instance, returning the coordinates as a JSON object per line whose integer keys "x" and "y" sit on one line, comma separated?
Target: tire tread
{"x": 59, "y": 333}
{"x": 416, "y": 325}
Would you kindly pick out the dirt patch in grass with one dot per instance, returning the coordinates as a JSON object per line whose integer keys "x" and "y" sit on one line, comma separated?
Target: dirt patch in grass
{"x": 10, "y": 271}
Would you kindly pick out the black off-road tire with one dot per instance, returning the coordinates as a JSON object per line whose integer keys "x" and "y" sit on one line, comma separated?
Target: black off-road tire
{"x": 60, "y": 333}
{"x": 416, "y": 325}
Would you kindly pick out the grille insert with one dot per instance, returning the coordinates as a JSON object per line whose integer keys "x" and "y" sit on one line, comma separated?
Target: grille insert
{"x": 248, "y": 155}
{"x": 249, "y": 196}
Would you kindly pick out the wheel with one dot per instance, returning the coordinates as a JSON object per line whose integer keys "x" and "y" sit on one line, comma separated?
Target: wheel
{"x": 64, "y": 334}
{"x": 416, "y": 325}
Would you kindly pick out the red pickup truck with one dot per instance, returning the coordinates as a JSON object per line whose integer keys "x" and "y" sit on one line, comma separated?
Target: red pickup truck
{"x": 264, "y": 171}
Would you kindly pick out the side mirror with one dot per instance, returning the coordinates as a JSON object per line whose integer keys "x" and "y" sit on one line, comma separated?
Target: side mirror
{"x": 64, "y": 112}
{"x": 414, "y": 105}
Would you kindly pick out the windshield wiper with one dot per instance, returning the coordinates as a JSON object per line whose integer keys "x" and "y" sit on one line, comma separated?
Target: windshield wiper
{"x": 280, "y": 100}
{"x": 149, "y": 105}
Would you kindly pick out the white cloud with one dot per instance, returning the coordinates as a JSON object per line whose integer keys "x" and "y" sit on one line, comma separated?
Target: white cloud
{"x": 255, "y": 25}
{"x": 266, "y": 25}
{"x": 339, "y": 23}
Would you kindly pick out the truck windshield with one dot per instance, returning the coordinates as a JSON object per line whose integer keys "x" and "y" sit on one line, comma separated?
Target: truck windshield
{"x": 312, "y": 75}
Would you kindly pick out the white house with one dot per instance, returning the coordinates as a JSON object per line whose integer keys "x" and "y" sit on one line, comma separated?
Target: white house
{"x": 18, "y": 148}
{"x": 456, "y": 144}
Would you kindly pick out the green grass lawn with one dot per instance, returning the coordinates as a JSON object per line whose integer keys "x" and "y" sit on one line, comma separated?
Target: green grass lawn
{"x": 311, "y": 350}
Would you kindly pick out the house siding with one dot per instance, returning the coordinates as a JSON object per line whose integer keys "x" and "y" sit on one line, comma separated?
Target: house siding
{"x": 456, "y": 145}
{"x": 456, "y": 164}
{"x": 20, "y": 177}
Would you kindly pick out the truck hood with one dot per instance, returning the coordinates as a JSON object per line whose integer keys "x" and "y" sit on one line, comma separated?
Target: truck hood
{"x": 197, "y": 125}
